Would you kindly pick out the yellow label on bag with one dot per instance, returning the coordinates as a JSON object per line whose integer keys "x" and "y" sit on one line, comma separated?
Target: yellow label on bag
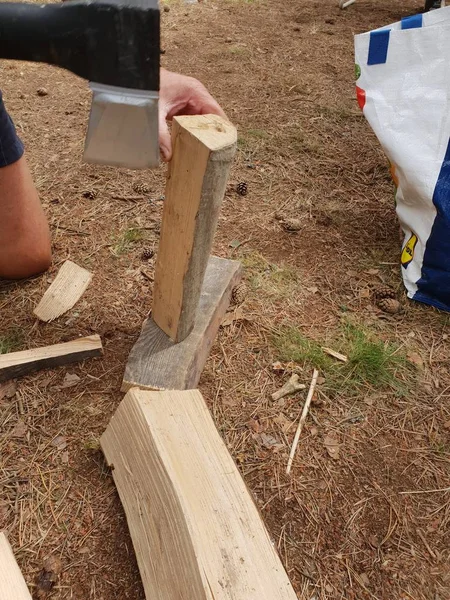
{"x": 408, "y": 250}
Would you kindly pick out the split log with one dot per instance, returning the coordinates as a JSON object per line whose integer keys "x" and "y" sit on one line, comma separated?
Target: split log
{"x": 67, "y": 288}
{"x": 196, "y": 531}
{"x": 12, "y": 583}
{"x": 18, "y": 364}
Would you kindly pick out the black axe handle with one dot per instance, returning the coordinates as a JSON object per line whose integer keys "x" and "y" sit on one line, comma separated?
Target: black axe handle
{"x": 107, "y": 43}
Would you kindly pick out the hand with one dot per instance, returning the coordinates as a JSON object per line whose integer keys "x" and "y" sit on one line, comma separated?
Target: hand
{"x": 181, "y": 95}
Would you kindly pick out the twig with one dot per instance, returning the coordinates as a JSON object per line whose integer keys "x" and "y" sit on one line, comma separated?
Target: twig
{"x": 303, "y": 416}
{"x": 127, "y": 198}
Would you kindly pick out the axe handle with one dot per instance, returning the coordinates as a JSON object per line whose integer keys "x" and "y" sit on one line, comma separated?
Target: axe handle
{"x": 106, "y": 43}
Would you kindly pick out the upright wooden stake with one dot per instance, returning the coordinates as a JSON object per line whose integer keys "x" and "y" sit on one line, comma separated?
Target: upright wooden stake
{"x": 203, "y": 147}
{"x": 12, "y": 583}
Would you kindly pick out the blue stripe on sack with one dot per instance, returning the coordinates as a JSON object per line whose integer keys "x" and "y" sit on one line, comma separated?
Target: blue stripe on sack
{"x": 378, "y": 47}
{"x": 413, "y": 22}
{"x": 434, "y": 284}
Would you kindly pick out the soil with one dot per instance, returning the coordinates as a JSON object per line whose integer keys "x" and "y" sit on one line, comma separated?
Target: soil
{"x": 371, "y": 523}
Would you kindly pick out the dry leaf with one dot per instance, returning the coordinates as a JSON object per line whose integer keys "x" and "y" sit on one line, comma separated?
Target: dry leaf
{"x": 20, "y": 430}
{"x": 70, "y": 380}
{"x": 65, "y": 457}
{"x": 364, "y": 293}
{"x": 332, "y": 446}
{"x": 268, "y": 441}
{"x": 415, "y": 359}
{"x": 284, "y": 422}
{"x": 48, "y": 576}
{"x": 60, "y": 442}
{"x": 313, "y": 290}
{"x": 364, "y": 579}
{"x": 8, "y": 389}
{"x": 314, "y": 431}
{"x": 232, "y": 316}
{"x": 255, "y": 426}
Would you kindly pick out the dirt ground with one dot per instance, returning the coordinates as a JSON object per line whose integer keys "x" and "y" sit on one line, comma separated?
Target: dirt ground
{"x": 366, "y": 511}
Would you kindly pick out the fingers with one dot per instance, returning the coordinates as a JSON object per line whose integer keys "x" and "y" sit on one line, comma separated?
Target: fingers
{"x": 181, "y": 95}
{"x": 165, "y": 142}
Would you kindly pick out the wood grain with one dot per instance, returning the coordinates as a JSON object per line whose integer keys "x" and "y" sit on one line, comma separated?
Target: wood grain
{"x": 65, "y": 291}
{"x": 156, "y": 362}
{"x": 18, "y": 364}
{"x": 203, "y": 148}
{"x": 196, "y": 531}
{"x": 12, "y": 583}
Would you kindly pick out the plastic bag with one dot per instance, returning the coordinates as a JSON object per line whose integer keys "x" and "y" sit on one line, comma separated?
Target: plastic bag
{"x": 403, "y": 88}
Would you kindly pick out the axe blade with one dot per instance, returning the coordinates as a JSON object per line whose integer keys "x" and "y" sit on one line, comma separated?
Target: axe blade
{"x": 123, "y": 128}
{"x": 123, "y": 123}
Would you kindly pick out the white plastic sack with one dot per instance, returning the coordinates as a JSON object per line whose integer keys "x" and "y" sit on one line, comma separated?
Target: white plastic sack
{"x": 403, "y": 88}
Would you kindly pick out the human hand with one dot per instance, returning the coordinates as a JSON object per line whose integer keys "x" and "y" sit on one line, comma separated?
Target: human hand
{"x": 181, "y": 95}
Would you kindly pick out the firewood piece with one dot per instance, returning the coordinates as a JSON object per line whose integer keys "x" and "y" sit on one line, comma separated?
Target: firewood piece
{"x": 196, "y": 531}
{"x": 65, "y": 291}
{"x": 12, "y": 583}
{"x": 18, "y": 364}
{"x": 203, "y": 148}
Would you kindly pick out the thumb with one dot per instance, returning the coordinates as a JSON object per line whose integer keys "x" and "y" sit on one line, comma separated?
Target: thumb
{"x": 165, "y": 142}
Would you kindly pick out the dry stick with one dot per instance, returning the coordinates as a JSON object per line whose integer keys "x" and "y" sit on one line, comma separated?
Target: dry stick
{"x": 304, "y": 414}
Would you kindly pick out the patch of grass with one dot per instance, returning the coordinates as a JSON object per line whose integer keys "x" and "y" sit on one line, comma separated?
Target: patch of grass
{"x": 293, "y": 346}
{"x": 371, "y": 362}
{"x": 126, "y": 240}
{"x": 258, "y": 133}
{"x": 10, "y": 341}
{"x": 238, "y": 50}
{"x": 272, "y": 279}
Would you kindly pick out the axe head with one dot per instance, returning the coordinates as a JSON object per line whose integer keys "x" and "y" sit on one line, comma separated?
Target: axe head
{"x": 123, "y": 128}
{"x": 123, "y": 124}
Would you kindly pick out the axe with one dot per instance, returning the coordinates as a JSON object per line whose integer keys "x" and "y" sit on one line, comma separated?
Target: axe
{"x": 115, "y": 45}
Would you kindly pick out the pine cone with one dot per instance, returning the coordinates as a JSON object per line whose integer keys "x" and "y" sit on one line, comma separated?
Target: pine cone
{"x": 91, "y": 194}
{"x": 239, "y": 293}
{"x": 291, "y": 224}
{"x": 242, "y": 188}
{"x": 384, "y": 291}
{"x": 147, "y": 253}
{"x": 141, "y": 188}
{"x": 389, "y": 305}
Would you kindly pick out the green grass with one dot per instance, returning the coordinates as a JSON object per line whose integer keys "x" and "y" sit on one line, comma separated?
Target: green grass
{"x": 126, "y": 240}
{"x": 10, "y": 341}
{"x": 371, "y": 362}
{"x": 264, "y": 276}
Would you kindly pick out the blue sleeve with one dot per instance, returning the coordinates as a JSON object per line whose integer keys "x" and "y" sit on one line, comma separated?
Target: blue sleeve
{"x": 11, "y": 147}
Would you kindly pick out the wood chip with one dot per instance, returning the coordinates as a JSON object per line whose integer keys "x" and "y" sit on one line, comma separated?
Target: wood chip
{"x": 70, "y": 380}
{"x": 290, "y": 387}
{"x": 60, "y": 442}
{"x": 65, "y": 291}
{"x": 20, "y": 430}
{"x": 335, "y": 354}
{"x": 332, "y": 446}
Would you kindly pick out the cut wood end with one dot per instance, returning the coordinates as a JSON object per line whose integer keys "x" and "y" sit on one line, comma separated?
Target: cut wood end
{"x": 213, "y": 131}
